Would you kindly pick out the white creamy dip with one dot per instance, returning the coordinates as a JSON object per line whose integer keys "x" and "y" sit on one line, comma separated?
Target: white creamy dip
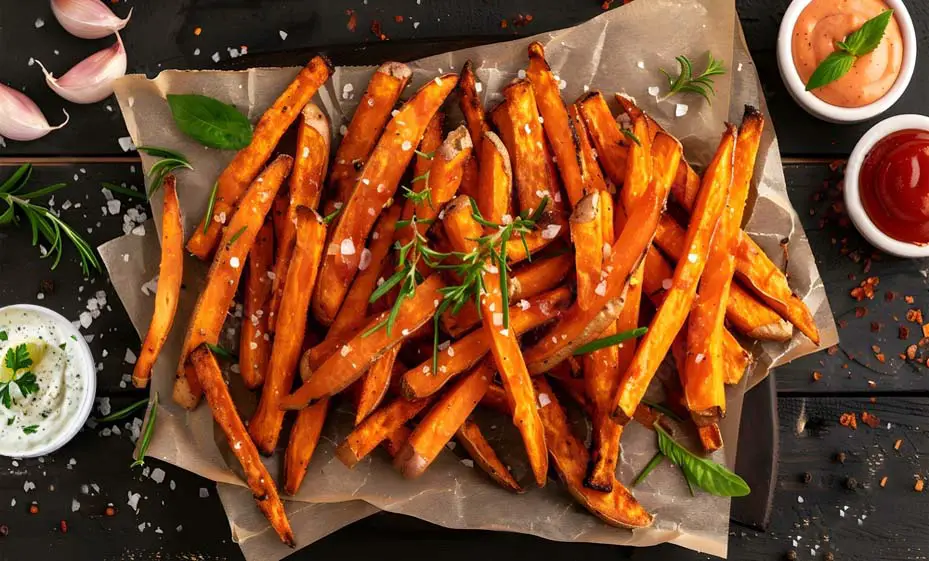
{"x": 44, "y": 400}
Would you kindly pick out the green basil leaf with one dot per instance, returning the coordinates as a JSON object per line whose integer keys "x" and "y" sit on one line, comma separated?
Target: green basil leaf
{"x": 831, "y": 69}
{"x": 210, "y": 122}
{"x": 705, "y": 474}
{"x": 867, "y": 37}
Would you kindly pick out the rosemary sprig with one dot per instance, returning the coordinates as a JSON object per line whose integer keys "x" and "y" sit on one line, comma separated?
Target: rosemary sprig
{"x": 611, "y": 340}
{"x": 124, "y": 412}
{"x": 631, "y": 136}
{"x": 222, "y": 352}
{"x": 124, "y": 191}
{"x": 208, "y": 216}
{"x": 147, "y": 432}
{"x": 170, "y": 162}
{"x": 41, "y": 220}
{"x": 687, "y": 82}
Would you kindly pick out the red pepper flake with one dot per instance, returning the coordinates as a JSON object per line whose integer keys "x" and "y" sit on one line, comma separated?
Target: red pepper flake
{"x": 870, "y": 420}
{"x": 911, "y": 352}
{"x": 875, "y": 326}
{"x": 903, "y": 333}
{"x": 835, "y": 165}
{"x": 352, "y": 24}
{"x": 881, "y": 358}
{"x": 817, "y": 376}
{"x": 898, "y": 444}
{"x": 865, "y": 289}
{"x": 606, "y": 5}
{"x": 883, "y": 481}
{"x": 63, "y": 526}
{"x": 833, "y": 350}
{"x": 875, "y": 349}
{"x": 890, "y": 295}
{"x": 398, "y": 19}
{"x": 198, "y": 31}
{"x": 849, "y": 420}
{"x": 842, "y": 324}
{"x": 110, "y": 510}
{"x": 522, "y": 20}
{"x": 918, "y": 487}
{"x": 504, "y": 24}
{"x": 861, "y": 312}
{"x": 908, "y": 299}
{"x": 926, "y": 330}
{"x": 33, "y": 508}
{"x": 914, "y": 315}
{"x": 377, "y": 31}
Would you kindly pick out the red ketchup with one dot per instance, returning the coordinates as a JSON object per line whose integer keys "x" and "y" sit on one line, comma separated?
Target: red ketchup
{"x": 894, "y": 185}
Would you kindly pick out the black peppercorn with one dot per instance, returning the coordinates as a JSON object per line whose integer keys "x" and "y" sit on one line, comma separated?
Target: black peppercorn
{"x": 807, "y": 477}
{"x": 4, "y": 530}
{"x": 840, "y": 457}
{"x": 851, "y": 483}
{"x": 791, "y": 555}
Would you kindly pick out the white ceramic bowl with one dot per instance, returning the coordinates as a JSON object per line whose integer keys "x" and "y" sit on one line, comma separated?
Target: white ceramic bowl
{"x": 832, "y": 113}
{"x": 85, "y": 363}
{"x": 853, "y": 205}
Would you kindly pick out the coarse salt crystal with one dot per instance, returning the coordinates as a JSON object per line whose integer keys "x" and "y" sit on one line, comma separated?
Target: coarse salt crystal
{"x": 551, "y": 231}
{"x": 544, "y": 400}
{"x": 343, "y": 130}
{"x": 600, "y": 290}
{"x": 365, "y": 260}
{"x": 306, "y": 152}
{"x": 498, "y": 318}
{"x": 466, "y": 462}
{"x": 139, "y": 230}
{"x": 699, "y": 358}
{"x": 234, "y": 262}
{"x": 527, "y": 129}
{"x": 653, "y": 91}
{"x": 125, "y": 142}
{"x": 130, "y": 357}
{"x": 204, "y": 492}
{"x": 133, "y": 501}
{"x": 681, "y": 109}
{"x": 283, "y": 34}
{"x": 667, "y": 284}
{"x": 347, "y": 247}
{"x": 113, "y": 206}
{"x": 39, "y": 22}
{"x": 158, "y": 475}
{"x": 692, "y": 257}
{"x": 406, "y": 146}
{"x": 345, "y": 350}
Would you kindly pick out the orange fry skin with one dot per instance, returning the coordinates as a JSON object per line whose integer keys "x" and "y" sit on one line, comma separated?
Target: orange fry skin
{"x": 254, "y": 342}
{"x": 265, "y": 425}
{"x": 279, "y": 213}
{"x": 561, "y": 137}
{"x": 381, "y": 425}
{"x": 617, "y": 507}
{"x": 377, "y": 184}
{"x": 171, "y": 276}
{"x": 371, "y": 115}
{"x": 470, "y": 437}
{"x": 244, "y": 167}
{"x": 422, "y": 163}
{"x": 587, "y": 238}
{"x": 374, "y": 384}
{"x": 304, "y": 436}
{"x": 354, "y": 358}
{"x": 223, "y": 279}
{"x": 607, "y": 138}
{"x": 495, "y": 183}
{"x": 224, "y": 412}
{"x": 446, "y": 416}
{"x": 591, "y": 174}
{"x": 310, "y": 163}
{"x": 462, "y": 229}
{"x": 672, "y": 313}
{"x": 469, "y": 100}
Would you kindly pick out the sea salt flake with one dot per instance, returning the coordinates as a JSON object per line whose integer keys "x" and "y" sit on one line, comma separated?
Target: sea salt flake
{"x": 551, "y": 231}
{"x": 130, "y": 357}
{"x": 681, "y": 109}
{"x": 204, "y": 492}
{"x": 75, "y": 505}
{"x": 365, "y": 260}
{"x": 347, "y": 247}
{"x": 283, "y": 34}
{"x": 125, "y": 142}
{"x": 654, "y": 91}
{"x": 406, "y": 146}
{"x": 692, "y": 257}
{"x": 544, "y": 400}
{"x": 39, "y": 22}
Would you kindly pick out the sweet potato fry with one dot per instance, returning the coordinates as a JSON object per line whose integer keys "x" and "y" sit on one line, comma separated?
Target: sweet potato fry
{"x": 470, "y": 437}
{"x": 628, "y": 106}
{"x": 378, "y": 427}
{"x": 587, "y": 237}
{"x": 495, "y": 398}
{"x": 223, "y": 279}
{"x": 607, "y": 138}
{"x": 265, "y": 425}
{"x": 171, "y": 274}
{"x": 395, "y": 441}
{"x": 702, "y": 375}
{"x": 446, "y": 416}
{"x": 591, "y": 174}
{"x": 365, "y": 129}
{"x": 617, "y": 507}
{"x": 246, "y": 164}
{"x": 310, "y": 163}
{"x": 577, "y": 327}
{"x": 469, "y": 100}
{"x": 422, "y": 163}
{"x": 224, "y": 412}
{"x": 495, "y": 184}
{"x": 462, "y": 229}
{"x": 561, "y": 137}
{"x": 377, "y": 183}
{"x": 355, "y": 357}
{"x": 304, "y": 436}
{"x": 672, "y": 313}
{"x": 374, "y": 385}
{"x": 279, "y": 213}
{"x": 254, "y": 341}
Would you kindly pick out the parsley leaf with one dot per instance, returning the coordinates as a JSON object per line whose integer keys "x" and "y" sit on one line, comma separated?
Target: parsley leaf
{"x": 31, "y": 429}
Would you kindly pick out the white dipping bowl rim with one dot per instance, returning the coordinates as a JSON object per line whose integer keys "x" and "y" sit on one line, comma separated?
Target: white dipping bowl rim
{"x": 85, "y": 362}
{"x": 832, "y": 113}
{"x": 853, "y": 203}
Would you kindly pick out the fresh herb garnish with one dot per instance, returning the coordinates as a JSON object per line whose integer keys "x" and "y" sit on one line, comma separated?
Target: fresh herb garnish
{"x": 124, "y": 190}
{"x": 631, "y": 136}
{"x": 237, "y": 235}
{"x": 686, "y": 82}
{"x": 208, "y": 216}
{"x": 3, "y": 336}
{"x": 857, "y": 44}
{"x": 222, "y": 353}
{"x": 17, "y": 358}
{"x": 663, "y": 409}
{"x": 604, "y": 342}
{"x": 31, "y": 429}
{"x": 63, "y": 346}
{"x": 147, "y": 432}
{"x": 170, "y": 162}
{"x": 123, "y": 413}
{"x": 649, "y": 468}
{"x": 701, "y": 472}
{"x": 427, "y": 155}
{"x": 210, "y": 121}
{"x": 331, "y": 216}
{"x": 417, "y": 197}
{"x": 10, "y": 421}
{"x": 42, "y": 220}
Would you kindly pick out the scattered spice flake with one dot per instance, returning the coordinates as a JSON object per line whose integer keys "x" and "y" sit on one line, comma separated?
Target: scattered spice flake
{"x": 504, "y": 24}
{"x": 398, "y": 19}
{"x": 198, "y": 31}
{"x": 817, "y": 376}
{"x": 911, "y": 352}
{"x": 883, "y": 481}
{"x": 903, "y": 333}
{"x": 861, "y": 312}
{"x": 872, "y": 384}
{"x": 875, "y": 326}
{"x": 890, "y": 295}
{"x": 522, "y": 20}
{"x": 881, "y": 358}
{"x": 833, "y": 350}
{"x": 377, "y": 31}
{"x": 926, "y": 330}
{"x": 914, "y": 315}
{"x": 918, "y": 487}
{"x": 352, "y": 24}
{"x": 908, "y": 299}
{"x": 865, "y": 289}
{"x": 870, "y": 420}
{"x": 898, "y": 444}
{"x": 875, "y": 349}
{"x": 849, "y": 420}
{"x": 842, "y": 324}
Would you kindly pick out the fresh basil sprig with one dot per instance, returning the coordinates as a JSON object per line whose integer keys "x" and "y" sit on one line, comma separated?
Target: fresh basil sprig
{"x": 210, "y": 121}
{"x": 858, "y": 43}
{"x": 713, "y": 478}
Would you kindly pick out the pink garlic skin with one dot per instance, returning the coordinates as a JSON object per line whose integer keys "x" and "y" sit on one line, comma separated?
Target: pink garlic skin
{"x": 90, "y": 80}
{"x": 21, "y": 119}
{"x": 87, "y": 19}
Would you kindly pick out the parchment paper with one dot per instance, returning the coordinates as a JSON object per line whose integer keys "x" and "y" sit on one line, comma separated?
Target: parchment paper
{"x": 619, "y": 51}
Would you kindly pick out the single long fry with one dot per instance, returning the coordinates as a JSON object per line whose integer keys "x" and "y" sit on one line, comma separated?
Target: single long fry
{"x": 224, "y": 412}
{"x": 672, "y": 313}
{"x": 265, "y": 425}
{"x": 591, "y": 174}
{"x": 462, "y": 230}
{"x": 607, "y": 138}
{"x": 304, "y": 436}
{"x": 279, "y": 213}
{"x": 310, "y": 163}
{"x": 395, "y": 440}
{"x": 469, "y": 100}
{"x": 377, "y": 183}
{"x": 470, "y": 437}
{"x": 374, "y": 384}
{"x": 495, "y": 183}
{"x": 368, "y": 122}
{"x": 354, "y": 357}
{"x": 223, "y": 279}
{"x": 378, "y": 427}
{"x": 422, "y": 163}
{"x": 702, "y": 376}
{"x": 617, "y": 507}
{"x": 561, "y": 137}
{"x": 439, "y": 425}
{"x": 254, "y": 341}
{"x": 170, "y": 277}
{"x": 577, "y": 327}
{"x": 246, "y": 164}
{"x": 587, "y": 237}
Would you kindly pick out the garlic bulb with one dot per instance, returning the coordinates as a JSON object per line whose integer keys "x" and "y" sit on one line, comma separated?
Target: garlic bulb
{"x": 87, "y": 19}
{"x": 90, "y": 80}
{"x": 21, "y": 118}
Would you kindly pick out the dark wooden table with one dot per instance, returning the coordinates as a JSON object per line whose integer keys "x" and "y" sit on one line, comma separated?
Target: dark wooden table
{"x": 821, "y": 505}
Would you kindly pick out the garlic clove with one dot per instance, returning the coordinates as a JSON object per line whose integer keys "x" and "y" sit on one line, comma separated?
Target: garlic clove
{"x": 87, "y": 19}
{"x": 90, "y": 80}
{"x": 21, "y": 119}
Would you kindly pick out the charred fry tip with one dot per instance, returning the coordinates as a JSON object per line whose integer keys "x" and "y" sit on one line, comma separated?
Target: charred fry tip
{"x": 397, "y": 70}
{"x": 750, "y": 112}
{"x": 320, "y": 58}
{"x": 586, "y": 96}
{"x": 537, "y": 51}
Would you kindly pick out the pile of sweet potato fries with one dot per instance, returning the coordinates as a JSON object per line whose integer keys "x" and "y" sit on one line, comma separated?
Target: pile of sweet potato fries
{"x": 453, "y": 252}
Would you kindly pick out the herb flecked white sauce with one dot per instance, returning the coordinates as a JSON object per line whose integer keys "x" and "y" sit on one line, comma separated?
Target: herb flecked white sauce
{"x": 41, "y": 383}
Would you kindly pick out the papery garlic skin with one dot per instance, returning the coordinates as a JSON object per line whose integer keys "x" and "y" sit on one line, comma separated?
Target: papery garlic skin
{"x": 87, "y": 19}
{"x": 90, "y": 80}
{"x": 21, "y": 119}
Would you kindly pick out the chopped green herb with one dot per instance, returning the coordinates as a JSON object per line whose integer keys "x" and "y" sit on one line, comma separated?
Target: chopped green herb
{"x": 649, "y": 468}
{"x": 208, "y": 216}
{"x": 331, "y": 216}
{"x": 222, "y": 353}
{"x": 686, "y": 82}
{"x": 610, "y": 341}
{"x": 3, "y": 336}
{"x": 147, "y": 432}
{"x": 125, "y": 412}
{"x": 631, "y": 136}
{"x": 701, "y": 472}
{"x": 31, "y": 429}
{"x": 237, "y": 235}
{"x": 124, "y": 190}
